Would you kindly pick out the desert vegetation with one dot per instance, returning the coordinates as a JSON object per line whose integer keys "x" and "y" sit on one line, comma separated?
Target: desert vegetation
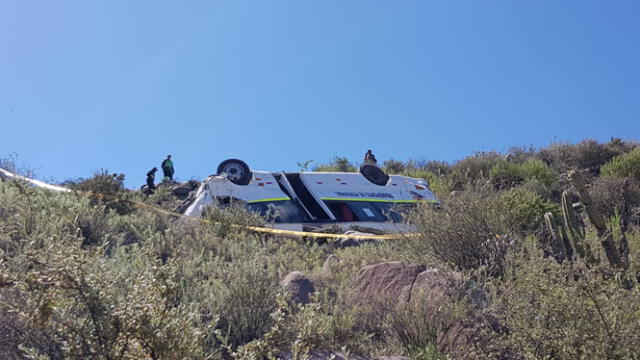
{"x": 534, "y": 254}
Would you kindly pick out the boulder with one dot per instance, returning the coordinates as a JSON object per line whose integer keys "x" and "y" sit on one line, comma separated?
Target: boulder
{"x": 328, "y": 268}
{"x": 387, "y": 281}
{"x": 298, "y": 287}
{"x": 465, "y": 335}
{"x": 432, "y": 290}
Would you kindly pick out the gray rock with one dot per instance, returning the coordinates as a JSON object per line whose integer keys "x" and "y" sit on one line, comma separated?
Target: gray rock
{"x": 386, "y": 281}
{"x": 329, "y": 265}
{"x": 432, "y": 290}
{"x": 298, "y": 287}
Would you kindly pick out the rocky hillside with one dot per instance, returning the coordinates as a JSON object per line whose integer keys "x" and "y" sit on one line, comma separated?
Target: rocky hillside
{"x": 535, "y": 254}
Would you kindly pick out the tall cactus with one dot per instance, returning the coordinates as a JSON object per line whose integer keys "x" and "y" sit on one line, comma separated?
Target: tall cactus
{"x": 617, "y": 256}
{"x": 557, "y": 242}
{"x": 574, "y": 229}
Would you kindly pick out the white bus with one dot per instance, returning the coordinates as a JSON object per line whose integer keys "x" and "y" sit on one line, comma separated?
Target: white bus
{"x": 299, "y": 200}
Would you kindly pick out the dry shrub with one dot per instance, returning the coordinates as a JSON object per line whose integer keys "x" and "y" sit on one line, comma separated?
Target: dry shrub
{"x": 471, "y": 230}
{"x": 588, "y": 154}
{"x": 126, "y": 306}
{"x": 611, "y": 194}
{"x": 554, "y": 311}
{"x": 246, "y": 294}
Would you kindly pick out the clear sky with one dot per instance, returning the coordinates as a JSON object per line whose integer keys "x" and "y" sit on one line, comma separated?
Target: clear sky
{"x": 119, "y": 85}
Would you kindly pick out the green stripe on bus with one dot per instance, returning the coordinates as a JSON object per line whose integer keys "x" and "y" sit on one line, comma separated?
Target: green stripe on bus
{"x": 265, "y": 200}
{"x": 376, "y": 200}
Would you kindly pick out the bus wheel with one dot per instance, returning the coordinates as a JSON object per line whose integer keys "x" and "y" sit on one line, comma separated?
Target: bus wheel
{"x": 374, "y": 174}
{"x": 237, "y": 171}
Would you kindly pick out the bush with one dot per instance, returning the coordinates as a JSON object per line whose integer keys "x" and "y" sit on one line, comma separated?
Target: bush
{"x": 507, "y": 174}
{"x": 555, "y": 311}
{"x": 472, "y": 230}
{"x": 393, "y": 166}
{"x": 524, "y": 210}
{"x": 613, "y": 194}
{"x": 627, "y": 165}
{"x": 337, "y": 164}
{"x": 476, "y": 168}
{"x": 96, "y": 307}
{"x": 107, "y": 188}
{"x": 586, "y": 155}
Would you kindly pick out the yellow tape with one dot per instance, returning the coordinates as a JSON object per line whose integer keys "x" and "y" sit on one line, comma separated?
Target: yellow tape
{"x": 279, "y": 231}
{"x": 253, "y": 228}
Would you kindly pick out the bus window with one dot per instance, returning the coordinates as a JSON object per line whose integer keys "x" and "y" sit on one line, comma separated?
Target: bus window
{"x": 347, "y": 211}
{"x": 284, "y": 211}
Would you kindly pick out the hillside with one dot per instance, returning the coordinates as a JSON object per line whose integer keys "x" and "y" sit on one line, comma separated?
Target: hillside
{"x": 535, "y": 254}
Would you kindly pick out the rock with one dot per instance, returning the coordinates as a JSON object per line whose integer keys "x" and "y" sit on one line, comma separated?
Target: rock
{"x": 329, "y": 265}
{"x": 348, "y": 242}
{"x": 431, "y": 290}
{"x": 298, "y": 287}
{"x": 386, "y": 281}
{"x": 462, "y": 336}
{"x": 184, "y": 189}
{"x": 434, "y": 289}
{"x": 393, "y": 357}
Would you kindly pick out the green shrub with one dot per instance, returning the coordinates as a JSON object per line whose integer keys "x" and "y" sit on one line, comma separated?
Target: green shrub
{"x": 108, "y": 189}
{"x": 337, "y": 164}
{"x": 508, "y": 174}
{"x": 392, "y": 166}
{"x": 524, "y": 210}
{"x": 627, "y": 165}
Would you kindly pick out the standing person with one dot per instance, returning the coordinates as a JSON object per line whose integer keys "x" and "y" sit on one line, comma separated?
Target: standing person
{"x": 167, "y": 167}
{"x": 151, "y": 177}
{"x": 369, "y": 158}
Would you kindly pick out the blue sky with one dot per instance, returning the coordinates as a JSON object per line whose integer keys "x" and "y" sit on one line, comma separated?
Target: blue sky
{"x": 119, "y": 85}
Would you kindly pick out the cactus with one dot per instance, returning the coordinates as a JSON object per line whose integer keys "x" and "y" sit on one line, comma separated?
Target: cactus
{"x": 557, "y": 243}
{"x": 575, "y": 232}
{"x": 616, "y": 255}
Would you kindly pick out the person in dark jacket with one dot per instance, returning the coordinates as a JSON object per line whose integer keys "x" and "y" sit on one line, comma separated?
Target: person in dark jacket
{"x": 167, "y": 167}
{"x": 151, "y": 177}
{"x": 370, "y": 159}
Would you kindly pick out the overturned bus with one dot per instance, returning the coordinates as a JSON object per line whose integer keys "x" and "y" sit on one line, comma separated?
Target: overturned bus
{"x": 304, "y": 200}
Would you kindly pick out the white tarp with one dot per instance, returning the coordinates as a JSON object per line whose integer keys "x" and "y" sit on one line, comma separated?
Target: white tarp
{"x": 38, "y": 183}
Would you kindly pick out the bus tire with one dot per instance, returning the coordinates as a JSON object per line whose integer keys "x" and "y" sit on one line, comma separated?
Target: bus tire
{"x": 237, "y": 171}
{"x": 374, "y": 174}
